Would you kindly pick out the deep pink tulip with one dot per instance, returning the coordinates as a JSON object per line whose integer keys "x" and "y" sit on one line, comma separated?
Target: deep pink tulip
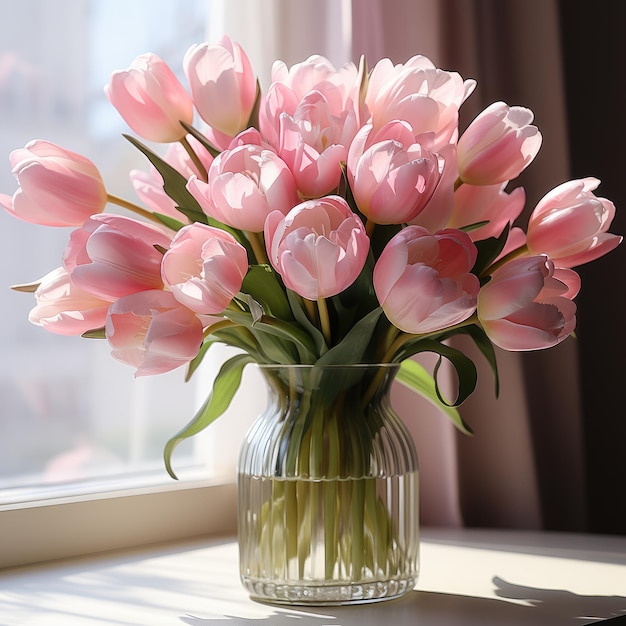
{"x": 426, "y": 97}
{"x": 423, "y": 281}
{"x": 570, "y": 224}
{"x": 151, "y": 99}
{"x": 488, "y": 203}
{"x": 393, "y": 178}
{"x": 525, "y": 307}
{"x": 149, "y": 184}
{"x": 57, "y": 187}
{"x": 204, "y": 268}
{"x": 319, "y": 248}
{"x": 152, "y": 332}
{"x": 245, "y": 185}
{"x": 112, "y": 256}
{"x": 223, "y": 87}
{"x": 498, "y": 145}
{"x": 65, "y": 309}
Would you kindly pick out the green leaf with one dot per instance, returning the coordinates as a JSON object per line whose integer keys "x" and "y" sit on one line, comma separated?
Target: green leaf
{"x": 253, "y": 120}
{"x": 300, "y": 345}
{"x": 262, "y": 284}
{"x": 305, "y": 322}
{"x": 174, "y": 184}
{"x": 225, "y": 386}
{"x": 96, "y": 333}
{"x": 168, "y": 221}
{"x": 416, "y": 377}
{"x": 486, "y": 347}
{"x": 464, "y": 366}
{"x": 489, "y": 250}
{"x": 211, "y": 149}
{"x": 352, "y": 348}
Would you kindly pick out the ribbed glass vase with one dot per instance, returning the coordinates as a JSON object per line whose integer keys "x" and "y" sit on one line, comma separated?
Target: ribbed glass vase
{"x": 328, "y": 490}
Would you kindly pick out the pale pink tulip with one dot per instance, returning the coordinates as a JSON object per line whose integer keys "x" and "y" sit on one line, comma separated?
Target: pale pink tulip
{"x": 436, "y": 213}
{"x": 310, "y": 116}
{"x": 426, "y": 97}
{"x": 151, "y": 99}
{"x": 488, "y": 203}
{"x": 112, "y": 256}
{"x": 204, "y": 268}
{"x": 524, "y": 307}
{"x": 152, "y": 332}
{"x": 65, "y": 309}
{"x": 391, "y": 181}
{"x": 570, "y": 224}
{"x": 319, "y": 248}
{"x": 149, "y": 184}
{"x": 57, "y": 187}
{"x": 423, "y": 281}
{"x": 245, "y": 185}
{"x": 223, "y": 87}
{"x": 498, "y": 145}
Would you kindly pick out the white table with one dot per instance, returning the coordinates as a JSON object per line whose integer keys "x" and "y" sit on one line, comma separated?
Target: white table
{"x": 468, "y": 577}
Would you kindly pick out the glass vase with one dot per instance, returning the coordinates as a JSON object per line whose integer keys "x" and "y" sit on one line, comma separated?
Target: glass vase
{"x": 328, "y": 490}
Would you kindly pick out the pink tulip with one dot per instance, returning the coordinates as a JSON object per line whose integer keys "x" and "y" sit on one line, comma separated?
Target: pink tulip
{"x": 204, "y": 268}
{"x": 498, "y": 145}
{"x": 112, "y": 256}
{"x": 319, "y": 248}
{"x": 152, "y": 332}
{"x": 436, "y": 213}
{"x": 65, "y": 309}
{"x": 423, "y": 281}
{"x": 393, "y": 178}
{"x": 421, "y": 94}
{"x": 524, "y": 307}
{"x": 149, "y": 184}
{"x": 151, "y": 99}
{"x": 245, "y": 185}
{"x": 570, "y": 224}
{"x": 57, "y": 187}
{"x": 223, "y": 87}
{"x": 310, "y": 115}
{"x": 489, "y": 203}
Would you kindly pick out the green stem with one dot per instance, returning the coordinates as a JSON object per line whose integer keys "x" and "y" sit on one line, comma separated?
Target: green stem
{"x": 195, "y": 159}
{"x": 258, "y": 247}
{"x": 322, "y": 308}
{"x": 133, "y": 207}
{"x": 505, "y": 259}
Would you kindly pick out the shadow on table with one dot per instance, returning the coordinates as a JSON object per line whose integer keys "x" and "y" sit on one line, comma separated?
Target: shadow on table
{"x": 542, "y": 607}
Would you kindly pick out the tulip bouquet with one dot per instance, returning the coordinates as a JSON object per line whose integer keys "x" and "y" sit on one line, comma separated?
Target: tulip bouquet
{"x": 339, "y": 217}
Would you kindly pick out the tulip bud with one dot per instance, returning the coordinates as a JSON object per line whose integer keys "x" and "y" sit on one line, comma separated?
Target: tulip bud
{"x": 152, "y": 332}
{"x": 151, "y": 99}
{"x": 319, "y": 248}
{"x": 570, "y": 224}
{"x": 524, "y": 307}
{"x": 204, "y": 268}
{"x": 223, "y": 87}
{"x": 423, "y": 281}
{"x": 498, "y": 145}
{"x": 57, "y": 187}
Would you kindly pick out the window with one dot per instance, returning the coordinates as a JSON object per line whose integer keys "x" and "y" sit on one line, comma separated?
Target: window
{"x": 74, "y": 421}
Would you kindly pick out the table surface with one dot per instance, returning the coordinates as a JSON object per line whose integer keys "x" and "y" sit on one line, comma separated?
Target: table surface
{"x": 468, "y": 577}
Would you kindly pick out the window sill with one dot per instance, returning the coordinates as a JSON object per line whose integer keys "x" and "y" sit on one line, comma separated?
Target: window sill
{"x": 470, "y": 577}
{"x": 69, "y": 526}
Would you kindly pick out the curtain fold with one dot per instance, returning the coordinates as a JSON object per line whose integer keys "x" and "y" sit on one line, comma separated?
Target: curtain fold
{"x": 524, "y": 468}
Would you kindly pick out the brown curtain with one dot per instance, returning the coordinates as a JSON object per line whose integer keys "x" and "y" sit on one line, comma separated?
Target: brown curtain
{"x": 528, "y": 464}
